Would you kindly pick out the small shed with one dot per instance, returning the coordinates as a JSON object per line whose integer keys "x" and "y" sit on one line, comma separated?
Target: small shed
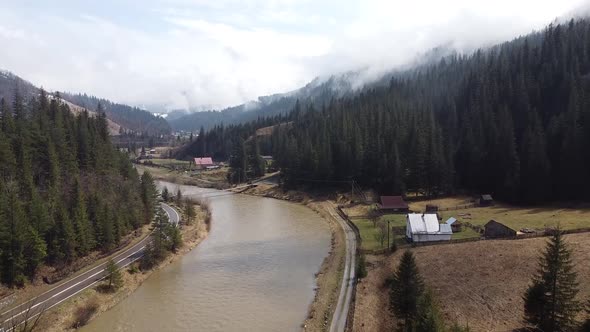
{"x": 393, "y": 204}
{"x": 426, "y": 228}
{"x": 495, "y": 230}
{"x": 486, "y": 200}
{"x": 455, "y": 224}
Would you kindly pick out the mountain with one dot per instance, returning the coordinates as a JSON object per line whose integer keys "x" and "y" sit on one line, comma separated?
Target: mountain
{"x": 130, "y": 118}
{"x": 119, "y": 116}
{"x": 318, "y": 91}
{"x": 512, "y": 120}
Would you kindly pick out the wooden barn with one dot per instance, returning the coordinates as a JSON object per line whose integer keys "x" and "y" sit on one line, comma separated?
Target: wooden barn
{"x": 393, "y": 204}
{"x": 486, "y": 200}
{"x": 495, "y": 230}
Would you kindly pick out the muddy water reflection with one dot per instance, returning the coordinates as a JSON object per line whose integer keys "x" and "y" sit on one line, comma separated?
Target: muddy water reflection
{"x": 255, "y": 272}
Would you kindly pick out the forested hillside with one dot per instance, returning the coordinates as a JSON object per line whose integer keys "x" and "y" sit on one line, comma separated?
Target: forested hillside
{"x": 513, "y": 120}
{"x": 64, "y": 189}
{"x": 131, "y": 118}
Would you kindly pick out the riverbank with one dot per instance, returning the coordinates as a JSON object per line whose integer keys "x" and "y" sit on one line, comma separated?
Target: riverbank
{"x": 90, "y": 303}
{"x": 329, "y": 277}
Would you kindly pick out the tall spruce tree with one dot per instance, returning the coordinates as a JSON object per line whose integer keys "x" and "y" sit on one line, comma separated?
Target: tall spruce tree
{"x": 550, "y": 302}
{"x": 405, "y": 291}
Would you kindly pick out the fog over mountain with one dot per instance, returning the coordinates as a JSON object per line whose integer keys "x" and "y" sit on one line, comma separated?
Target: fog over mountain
{"x": 198, "y": 55}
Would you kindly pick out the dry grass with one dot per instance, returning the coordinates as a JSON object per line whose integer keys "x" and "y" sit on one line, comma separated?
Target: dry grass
{"x": 477, "y": 283}
{"x": 447, "y": 202}
{"x": 84, "y": 313}
{"x": 527, "y": 217}
{"x": 328, "y": 278}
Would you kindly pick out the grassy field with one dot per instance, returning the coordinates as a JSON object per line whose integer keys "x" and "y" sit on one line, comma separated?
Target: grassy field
{"x": 369, "y": 233}
{"x": 523, "y": 217}
{"x": 184, "y": 164}
{"x": 476, "y": 283}
{"x": 447, "y": 202}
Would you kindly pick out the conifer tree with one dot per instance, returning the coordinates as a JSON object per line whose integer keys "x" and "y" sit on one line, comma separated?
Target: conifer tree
{"x": 429, "y": 318}
{"x": 550, "y": 301}
{"x": 113, "y": 276}
{"x": 189, "y": 211}
{"x": 405, "y": 291}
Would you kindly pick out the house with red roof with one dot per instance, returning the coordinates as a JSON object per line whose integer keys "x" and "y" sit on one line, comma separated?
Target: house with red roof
{"x": 204, "y": 162}
{"x": 393, "y": 204}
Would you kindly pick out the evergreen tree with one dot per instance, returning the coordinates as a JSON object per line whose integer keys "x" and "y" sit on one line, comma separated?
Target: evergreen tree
{"x": 189, "y": 211}
{"x": 406, "y": 289}
{"x": 178, "y": 197}
{"x": 550, "y": 302}
{"x": 429, "y": 318}
{"x": 149, "y": 194}
{"x": 237, "y": 162}
{"x": 113, "y": 276}
{"x": 165, "y": 194}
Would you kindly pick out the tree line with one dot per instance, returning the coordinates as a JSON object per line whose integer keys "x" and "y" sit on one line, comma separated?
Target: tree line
{"x": 64, "y": 189}
{"x": 512, "y": 120}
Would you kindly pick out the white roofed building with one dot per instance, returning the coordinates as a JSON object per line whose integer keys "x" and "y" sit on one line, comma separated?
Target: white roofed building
{"x": 426, "y": 228}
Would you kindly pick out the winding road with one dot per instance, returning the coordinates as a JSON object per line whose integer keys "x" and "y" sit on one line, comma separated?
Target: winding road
{"x": 32, "y": 308}
{"x": 340, "y": 316}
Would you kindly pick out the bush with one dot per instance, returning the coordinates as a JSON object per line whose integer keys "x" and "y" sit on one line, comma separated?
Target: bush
{"x": 83, "y": 313}
{"x": 133, "y": 268}
{"x": 361, "y": 268}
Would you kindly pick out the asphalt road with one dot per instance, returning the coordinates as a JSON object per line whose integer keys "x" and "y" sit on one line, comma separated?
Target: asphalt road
{"x": 30, "y": 310}
{"x": 340, "y": 316}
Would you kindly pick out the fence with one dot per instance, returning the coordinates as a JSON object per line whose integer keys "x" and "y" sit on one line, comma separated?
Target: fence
{"x": 458, "y": 207}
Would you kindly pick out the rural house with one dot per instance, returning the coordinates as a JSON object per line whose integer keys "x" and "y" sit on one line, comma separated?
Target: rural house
{"x": 486, "y": 200}
{"x": 393, "y": 204}
{"x": 426, "y": 228}
{"x": 494, "y": 230}
{"x": 204, "y": 162}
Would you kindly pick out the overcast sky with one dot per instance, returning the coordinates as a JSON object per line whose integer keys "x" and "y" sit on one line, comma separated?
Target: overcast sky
{"x": 185, "y": 53}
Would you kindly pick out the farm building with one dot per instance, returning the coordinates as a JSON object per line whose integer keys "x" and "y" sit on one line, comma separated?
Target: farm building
{"x": 426, "y": 228}
{"x": 456, "y": 225}
{"x": 393, "y": 204}
{"x": 494, "y": 230}
{"x": 486, "y": 200}
{"x": 204, "y": 162}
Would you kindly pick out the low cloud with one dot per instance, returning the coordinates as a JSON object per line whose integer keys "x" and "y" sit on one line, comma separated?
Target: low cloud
{"x": 211, "y": 54}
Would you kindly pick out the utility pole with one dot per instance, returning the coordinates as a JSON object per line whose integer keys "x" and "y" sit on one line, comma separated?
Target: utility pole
{"x": 388, "y": 228}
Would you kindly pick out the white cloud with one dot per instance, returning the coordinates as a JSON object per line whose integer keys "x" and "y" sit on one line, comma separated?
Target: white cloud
{"x": 185, "y": 53}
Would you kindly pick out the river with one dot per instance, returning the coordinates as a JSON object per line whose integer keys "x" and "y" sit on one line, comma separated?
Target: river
{"x": 254, "y": 272}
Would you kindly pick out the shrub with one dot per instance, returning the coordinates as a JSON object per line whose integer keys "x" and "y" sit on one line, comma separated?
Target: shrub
{"x": 84, "y": 312}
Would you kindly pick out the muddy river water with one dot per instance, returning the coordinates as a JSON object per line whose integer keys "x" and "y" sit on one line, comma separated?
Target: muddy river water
{"x": 254, "y": 272}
